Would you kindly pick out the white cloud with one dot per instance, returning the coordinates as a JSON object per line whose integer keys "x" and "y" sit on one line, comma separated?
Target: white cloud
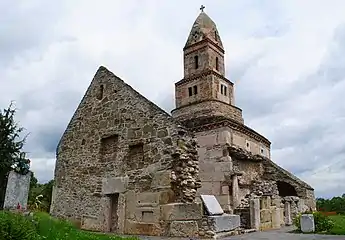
{"x": 285, "y": 57}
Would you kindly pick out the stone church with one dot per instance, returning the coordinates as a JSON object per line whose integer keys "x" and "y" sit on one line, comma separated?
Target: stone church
{"x": 126, "y": 166}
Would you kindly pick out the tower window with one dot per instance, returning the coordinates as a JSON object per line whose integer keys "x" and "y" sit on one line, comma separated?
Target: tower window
{"x": 217, "y": 64}
{"x": 196, "y": 62}
{"x": 195, "y": 88}
{"x": 100, "y": 92}
{"x": 190, "y": 91}
{"x": 223, "y": 89}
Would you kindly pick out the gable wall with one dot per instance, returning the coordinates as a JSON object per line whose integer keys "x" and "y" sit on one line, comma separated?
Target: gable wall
{"x": 84, "y": 163}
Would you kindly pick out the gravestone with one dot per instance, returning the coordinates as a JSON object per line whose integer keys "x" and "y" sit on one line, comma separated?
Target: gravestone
{"x": 307, "y": 223}
{"x": 17, "y": 190}
{"x": 212, "y": 205}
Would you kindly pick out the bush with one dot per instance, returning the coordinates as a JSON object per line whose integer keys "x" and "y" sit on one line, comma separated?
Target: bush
{"x": 16, "y": 227}
{"x": 322, "y": 222}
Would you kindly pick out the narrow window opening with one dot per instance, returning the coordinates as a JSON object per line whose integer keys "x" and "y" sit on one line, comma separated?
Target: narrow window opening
{"x": 196, "y": 62}
{"x": 221, "y": 89}
{"x": 100, "y": 92}
{"x": 190, "y": 91}
{"x": 195, "y": 88}
{"x": 217, "y": 66}
{"x": 215, "y": 36}
{"x": 225, "y": 88}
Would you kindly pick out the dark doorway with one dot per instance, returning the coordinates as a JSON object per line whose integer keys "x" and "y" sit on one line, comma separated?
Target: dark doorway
{"x": 286, "y": 189}
{"x": 113, "y": 214}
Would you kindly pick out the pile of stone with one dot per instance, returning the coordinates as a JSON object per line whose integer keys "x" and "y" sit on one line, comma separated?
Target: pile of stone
{"x": 264, "y": 187}
{"x": 185, "y": 173}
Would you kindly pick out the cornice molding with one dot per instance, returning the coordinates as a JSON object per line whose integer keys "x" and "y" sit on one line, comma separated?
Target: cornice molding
{"x": 205, "y": 100}
{"x": 210, "y": 123}
{"x": 205, "y": 40}
{"x": 204, "y": 73}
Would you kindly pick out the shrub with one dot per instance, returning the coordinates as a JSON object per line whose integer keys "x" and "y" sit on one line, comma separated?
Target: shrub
{"x": 16, "y": 227}
{"x": 322, "y": 222}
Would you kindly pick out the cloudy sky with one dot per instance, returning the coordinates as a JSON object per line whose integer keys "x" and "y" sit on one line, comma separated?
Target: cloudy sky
{"x": 285, "y": 58}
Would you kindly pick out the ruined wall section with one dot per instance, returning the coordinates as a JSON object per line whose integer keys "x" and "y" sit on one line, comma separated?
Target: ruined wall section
{"x": 276, "y": 173}
{"x": 115, "y": 134}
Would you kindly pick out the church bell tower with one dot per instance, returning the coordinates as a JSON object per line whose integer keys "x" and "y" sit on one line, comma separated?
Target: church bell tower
{"x": 204, "y": 91}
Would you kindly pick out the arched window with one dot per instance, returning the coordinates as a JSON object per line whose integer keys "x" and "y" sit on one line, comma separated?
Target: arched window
{"x": 217, "y": 64}
{"x": 196, "y": 62}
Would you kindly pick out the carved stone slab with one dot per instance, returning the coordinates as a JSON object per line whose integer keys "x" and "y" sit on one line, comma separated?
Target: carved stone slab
{"x": 307, "y": 223}
{"x": 212, "y": 205}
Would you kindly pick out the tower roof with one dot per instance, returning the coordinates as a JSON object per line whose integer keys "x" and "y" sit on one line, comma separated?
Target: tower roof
{"x": 204, "y": 27}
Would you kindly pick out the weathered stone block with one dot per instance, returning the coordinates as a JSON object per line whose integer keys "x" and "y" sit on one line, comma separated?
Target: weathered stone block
{"x": 147, "y": 214}
{"x": 276, "y": 221}
{"x": 147, "y": 199}
{"x": 210, "y": 188}
{"x": 212, "y": 205}
{"x": 138, "y": 228}
{"x": 307, "y": 223}
{"x": 161, "y": 179}
{"x": 224, "y": 137}
{"x": 91, "y": 223}
{"x": 181, "y": 211}
{"x": 17, "y": 190}
{"x": 265, "y": 215}
{"x": 113, "y": 185}
{"x": 265, "y": 202}
{"x": 183, "y": 229}
{"x": 225, "y": 222}
{"x": 254, "y": 209}
{"x": 287, "y": 214}
{"x": 265, "y": 226}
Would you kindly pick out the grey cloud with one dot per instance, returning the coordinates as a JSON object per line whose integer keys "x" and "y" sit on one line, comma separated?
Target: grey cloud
{"x": 26, "y": 27}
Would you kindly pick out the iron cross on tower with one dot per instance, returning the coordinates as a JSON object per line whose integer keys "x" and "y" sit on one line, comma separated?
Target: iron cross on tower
{"x": 202, "y": 8}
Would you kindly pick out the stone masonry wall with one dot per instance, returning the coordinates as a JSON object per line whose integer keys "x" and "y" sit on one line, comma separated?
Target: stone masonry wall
{"x": 208, "y": 108}
{"x": 204, "y": 88}
{"x": 115, "y": 135}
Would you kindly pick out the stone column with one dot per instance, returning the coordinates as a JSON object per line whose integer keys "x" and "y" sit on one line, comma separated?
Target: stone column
{"x": 276, "y": 217}
{"x": 235, "y": 189}
{"x": 287, "y": 211}
{"x": 254, "y": 211}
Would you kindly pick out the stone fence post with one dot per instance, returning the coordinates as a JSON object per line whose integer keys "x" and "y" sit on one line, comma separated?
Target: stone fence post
{"x": 287, "y": 211}
{"x": 254, "y": 210}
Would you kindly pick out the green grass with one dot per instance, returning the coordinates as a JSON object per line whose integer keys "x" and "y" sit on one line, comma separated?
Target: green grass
{"x": 49, "y": 228}
{"x": 339, "y": 225}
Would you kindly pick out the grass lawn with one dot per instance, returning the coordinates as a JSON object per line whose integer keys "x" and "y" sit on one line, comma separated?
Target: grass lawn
{"x": 339, "y": 225}
{"x": 42, "y": 226}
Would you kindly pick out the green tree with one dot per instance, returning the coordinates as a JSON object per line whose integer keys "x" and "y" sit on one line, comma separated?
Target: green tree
{"x": 11, "y": 145}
